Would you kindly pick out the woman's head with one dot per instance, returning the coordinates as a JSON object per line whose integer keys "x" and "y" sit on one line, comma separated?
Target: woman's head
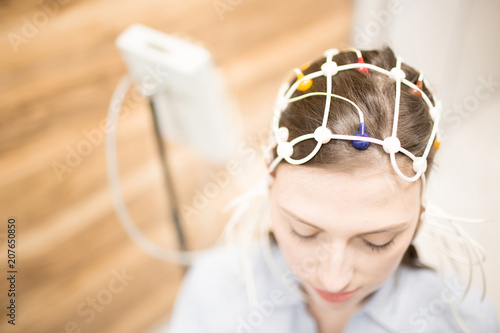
{"x": 343, "y": 218}
{"x": 343, "y": 232}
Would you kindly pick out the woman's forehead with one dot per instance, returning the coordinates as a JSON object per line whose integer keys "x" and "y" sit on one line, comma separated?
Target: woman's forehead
{"x": 358, "y": 183}
{"x": 374, "y": 196}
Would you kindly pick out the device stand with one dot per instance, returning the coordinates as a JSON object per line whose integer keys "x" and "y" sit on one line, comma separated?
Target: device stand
{"x": 174, "y": 207}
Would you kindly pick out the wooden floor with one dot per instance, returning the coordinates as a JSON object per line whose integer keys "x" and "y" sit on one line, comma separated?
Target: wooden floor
{"x": 58, "y": 69}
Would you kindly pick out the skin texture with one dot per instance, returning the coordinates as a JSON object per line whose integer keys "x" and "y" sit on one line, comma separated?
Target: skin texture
{"x": 342, "y": 209}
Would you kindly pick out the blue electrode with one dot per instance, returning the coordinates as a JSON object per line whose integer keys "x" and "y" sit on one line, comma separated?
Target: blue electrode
{"x": 361, "y": 145}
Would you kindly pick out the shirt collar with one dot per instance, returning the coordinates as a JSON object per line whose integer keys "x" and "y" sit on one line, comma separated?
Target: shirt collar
{"x": 386, "y": 306}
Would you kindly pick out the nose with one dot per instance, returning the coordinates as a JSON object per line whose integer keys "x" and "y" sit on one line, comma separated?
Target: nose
{"x": 337, "y": 270}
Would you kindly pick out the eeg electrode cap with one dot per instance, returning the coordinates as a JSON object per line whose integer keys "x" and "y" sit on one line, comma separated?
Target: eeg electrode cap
{"x": 322, "y": 134}
{"x": 420, "y": 164}
{"x": 397, "y": 73}
{"x": 391, "y": 145}
{"x": 330, "y": 53}
{"x": 329, "y": 68}
{"x": 283, "y": 134}
{"x": 281, "y": 104}
{"x": 285, "y": 149}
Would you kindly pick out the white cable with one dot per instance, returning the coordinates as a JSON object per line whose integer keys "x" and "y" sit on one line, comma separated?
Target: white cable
{"x": 439, "y": 235}
{"x": 319, "y": 93}
{"x": 178, "y": 257}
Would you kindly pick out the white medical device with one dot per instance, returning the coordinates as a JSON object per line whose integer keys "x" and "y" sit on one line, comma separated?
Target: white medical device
{"x": 184, "y": 87}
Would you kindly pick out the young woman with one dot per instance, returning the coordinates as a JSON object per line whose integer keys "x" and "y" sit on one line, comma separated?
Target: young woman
{"x": 354, "y": 137}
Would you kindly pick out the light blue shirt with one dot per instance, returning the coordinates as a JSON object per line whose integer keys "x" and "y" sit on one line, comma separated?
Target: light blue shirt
{"x": 213, "y": 299}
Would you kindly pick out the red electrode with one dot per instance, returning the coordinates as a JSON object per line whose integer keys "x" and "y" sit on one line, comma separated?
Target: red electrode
{"x": 362, "y": 69}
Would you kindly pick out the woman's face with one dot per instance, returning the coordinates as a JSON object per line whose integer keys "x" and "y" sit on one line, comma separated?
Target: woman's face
{"x": 342, "y": 234}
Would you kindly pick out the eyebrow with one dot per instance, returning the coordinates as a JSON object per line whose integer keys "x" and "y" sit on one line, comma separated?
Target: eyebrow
{"x": 393, "y": 227}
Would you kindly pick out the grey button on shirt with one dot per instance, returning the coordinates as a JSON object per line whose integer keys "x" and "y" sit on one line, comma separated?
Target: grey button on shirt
{"x": 213, "y": 299}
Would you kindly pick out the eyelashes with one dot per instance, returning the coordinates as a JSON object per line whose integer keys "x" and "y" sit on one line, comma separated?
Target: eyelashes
{"x": 373, "y": 247}
{"x": 302, "y": 237}
{"x": 379, "y": 248}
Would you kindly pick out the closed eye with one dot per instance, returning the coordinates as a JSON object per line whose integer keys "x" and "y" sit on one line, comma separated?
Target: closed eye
{"x": 379, "y": 248}
{"x": 303, "y": 237}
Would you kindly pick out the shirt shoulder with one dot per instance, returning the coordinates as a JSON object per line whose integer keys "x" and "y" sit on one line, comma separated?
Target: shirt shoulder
{"x": 214, "y": 296}
{"x": 417, "y": 301}
{"x": 211, "y": 294}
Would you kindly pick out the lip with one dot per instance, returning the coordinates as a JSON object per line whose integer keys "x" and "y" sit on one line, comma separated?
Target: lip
{"x": 335, "y": 297}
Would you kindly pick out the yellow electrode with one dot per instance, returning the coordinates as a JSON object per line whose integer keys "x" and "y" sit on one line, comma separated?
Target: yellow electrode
{"x": 305, "y": 84}
{"x": 437, "y": 143}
